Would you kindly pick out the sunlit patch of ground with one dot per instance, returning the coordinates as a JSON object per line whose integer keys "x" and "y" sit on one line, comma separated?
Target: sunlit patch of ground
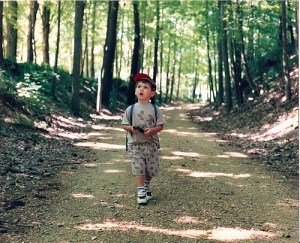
{"x": 289, "y": 203}
{"x": 232, "y": 154}
{"x": 209, "y": 174}
{"x": 220, "y": 233}
{"x": 187, "y": 220}
{"x": 100, "y": 146}
{"x": 80, "y": 195}
{"x": 187, "y": 154}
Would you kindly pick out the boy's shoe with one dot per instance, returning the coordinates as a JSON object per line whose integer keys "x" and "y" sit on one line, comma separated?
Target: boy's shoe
{"x": 149, "y": 195}
{"x": 142, "y": 198}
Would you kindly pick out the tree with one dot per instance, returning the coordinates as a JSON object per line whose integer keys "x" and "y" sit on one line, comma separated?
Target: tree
{"x": 228, "y": 94}
{"x": 1, "y": 31}
{"x": 155, "y": 63}
{"x": 31, "y": 29}
{"x": 46, "y": 32}
{"x": 92, "y": 64}
{"x": 135, "y": 54}
{"x": 12, "y": 31}
{"x": 109, "y": 51}
{"x": 220, "y": 58}
{"x": 58, "y": 34}
{"x": 243, "y": 54}
{"x": 77, "y": 56}
{"x": 210, "y": 79}
{"x": 53, "y": 86}
{"x": 285, "y": 62}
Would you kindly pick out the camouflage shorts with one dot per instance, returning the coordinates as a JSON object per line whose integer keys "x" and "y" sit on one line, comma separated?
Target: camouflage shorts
{"x": 144, "y": 159}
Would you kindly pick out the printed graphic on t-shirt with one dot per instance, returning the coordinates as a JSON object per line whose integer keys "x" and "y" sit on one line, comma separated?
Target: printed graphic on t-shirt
{"x": 141, "y": 115}
{"x": 151, "y": 120}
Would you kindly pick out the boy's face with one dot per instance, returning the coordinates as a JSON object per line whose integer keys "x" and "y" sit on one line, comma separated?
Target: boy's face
{"x": 143, "y": 91}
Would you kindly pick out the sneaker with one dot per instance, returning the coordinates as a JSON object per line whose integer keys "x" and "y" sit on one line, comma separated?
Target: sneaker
{"x": 149, "y": 195}
{"x": 142, "y": 199}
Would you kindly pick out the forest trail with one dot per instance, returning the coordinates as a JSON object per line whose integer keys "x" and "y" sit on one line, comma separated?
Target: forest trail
{"x": 206, "y": 192}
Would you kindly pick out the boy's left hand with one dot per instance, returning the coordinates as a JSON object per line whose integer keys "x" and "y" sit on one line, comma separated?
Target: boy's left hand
{"x": 148, "y": 132}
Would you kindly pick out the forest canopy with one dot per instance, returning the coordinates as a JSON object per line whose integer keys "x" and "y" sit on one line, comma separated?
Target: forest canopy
{"x": 216, "y": 51}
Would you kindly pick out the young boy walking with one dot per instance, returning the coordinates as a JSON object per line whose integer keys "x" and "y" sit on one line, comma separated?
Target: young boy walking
{"x": 143, "y": 122}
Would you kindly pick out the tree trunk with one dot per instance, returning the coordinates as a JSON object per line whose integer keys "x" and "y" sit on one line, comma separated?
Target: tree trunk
{"x": 85, "y": 61}
{"x": 179, "y": 75}
{"x": 155, "y": 65}
{"x": 235, "y": 57}
{"x": 290, "y": 28}
{"x": 12, "y": 31}
{"x": 285, "y": 63}
{"x": 220, "y": 61}
{"x": 168, "y": 71}
{"x": 135, "y": 54}
{"x": 77, "y": 56}
{"x": 58, "y": 34}
{"x": 243, "y": 54}
{"x": 1, "y": 32}
{"x": 31, "y": 29}
{"x": 297, "y": 25}
{"x": 109, "y": 51}
{"x": 53, "y": 87}
{"x": 210, "y": 78}
{"x": 228, "y": 94}
{"x": 46, "y": 32}
{"x": 92, "y": 64}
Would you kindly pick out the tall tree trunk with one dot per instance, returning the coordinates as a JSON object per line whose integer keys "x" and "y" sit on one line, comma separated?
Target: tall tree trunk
{"x": 120, "y": 57}
{"x": 77, "y": 56}
{"x": 285, "y": 63}
{"x": 58, "y": 34}
{"x": 1, "y": 32}
{"x": 31, "y": 29}
{"x": 155, "y": 65}
{"x": 46, "y": 32}
{"x": 161, "y": 63}
{"x": 85, "y": 61}
{"x": 220, "y": 60}
{"x": 135, "y": 54}
{"x": 179, "y": 75}
{"x": 290, "y": 28}
{"x": 53, "y": 87}
{"x": 235, "y": 57}
{"x": 12, "y": 31}
{"x": 109, "y": 51}
{"x": 168, "y": 71}
{"x": 228, "y": 94}
{"x": 210, "y": 78}
{"x": 243, "y": 54}
{"x": 297, "y": 25}
{"x": 92, "y": 64}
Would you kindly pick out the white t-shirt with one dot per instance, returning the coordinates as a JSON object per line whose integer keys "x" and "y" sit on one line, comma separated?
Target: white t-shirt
{"x": 143, "y": 115}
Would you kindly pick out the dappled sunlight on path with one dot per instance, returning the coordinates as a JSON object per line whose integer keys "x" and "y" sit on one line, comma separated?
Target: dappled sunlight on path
{"x": 206, "y": 191}
{"x": 219, "y": 233}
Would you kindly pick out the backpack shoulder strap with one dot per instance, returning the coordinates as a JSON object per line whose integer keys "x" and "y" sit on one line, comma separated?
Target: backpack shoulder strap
{"x": 131, "y": 113}
{"x": 130, "y": 121}
{"x": 155, "y": 111}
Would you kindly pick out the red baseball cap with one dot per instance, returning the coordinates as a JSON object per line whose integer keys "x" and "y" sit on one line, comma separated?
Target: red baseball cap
{"x": 143, "y": 76}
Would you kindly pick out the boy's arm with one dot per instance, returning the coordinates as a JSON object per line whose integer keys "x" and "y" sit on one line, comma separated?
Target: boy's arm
{"x": 129, "y": 128}
{"x": 153, "y": 130}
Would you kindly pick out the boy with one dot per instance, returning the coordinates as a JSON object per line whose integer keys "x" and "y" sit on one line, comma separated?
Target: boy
{"x": 143, "y": 142}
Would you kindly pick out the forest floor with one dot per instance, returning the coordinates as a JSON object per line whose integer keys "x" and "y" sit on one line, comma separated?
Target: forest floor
{"x": 73, "y": 183}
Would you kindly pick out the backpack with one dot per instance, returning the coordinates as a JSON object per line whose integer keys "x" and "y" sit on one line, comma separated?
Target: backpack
{"x": 130, "y": 120}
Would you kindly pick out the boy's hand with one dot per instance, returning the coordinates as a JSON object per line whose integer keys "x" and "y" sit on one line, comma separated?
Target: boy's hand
{"x": 148, "y": 132}
{"x": 138, "y": 128}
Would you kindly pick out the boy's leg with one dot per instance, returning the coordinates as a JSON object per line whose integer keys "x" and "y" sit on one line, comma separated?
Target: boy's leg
{"x": 139, "y": 180}
{"x": 147, "y": 181}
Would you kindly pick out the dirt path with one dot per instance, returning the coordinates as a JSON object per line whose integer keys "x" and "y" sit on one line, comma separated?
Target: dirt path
{"x": 206, "y": 192}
